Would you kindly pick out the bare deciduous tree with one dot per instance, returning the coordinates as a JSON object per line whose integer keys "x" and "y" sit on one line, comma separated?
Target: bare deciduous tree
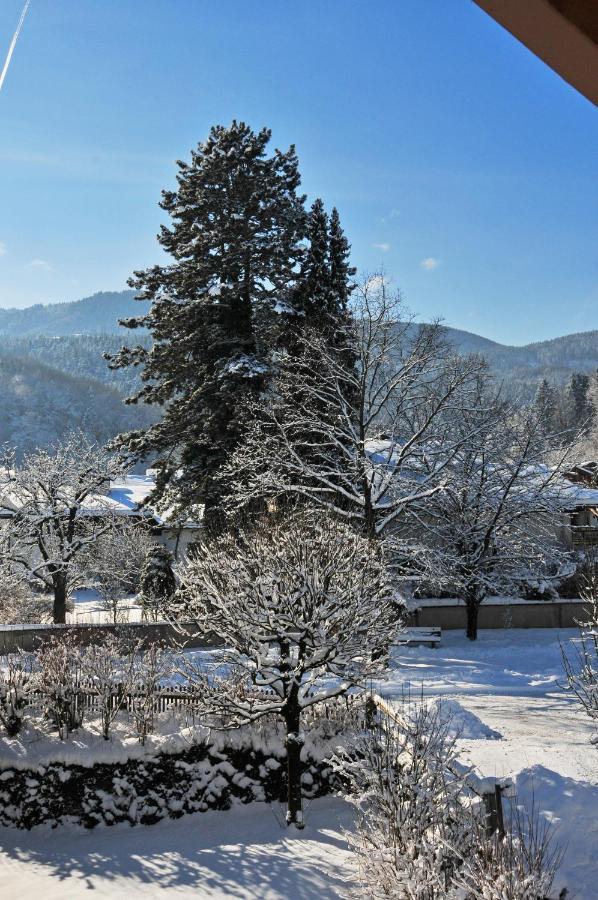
{"x": 115, "y": 562}
{"x": 352, "y": 439}
{"x": 305, "y": 611}
{"x": 494, "y": 524}
{"x": 56, "y": 511}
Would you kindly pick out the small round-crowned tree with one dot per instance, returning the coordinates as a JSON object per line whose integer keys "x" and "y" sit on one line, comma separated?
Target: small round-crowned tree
{"x": 305, "y": 609}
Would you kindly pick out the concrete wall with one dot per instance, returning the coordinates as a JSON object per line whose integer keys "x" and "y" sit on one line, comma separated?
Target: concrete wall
{"x": 30, "y": 637}
{"x": 540, "y": 614}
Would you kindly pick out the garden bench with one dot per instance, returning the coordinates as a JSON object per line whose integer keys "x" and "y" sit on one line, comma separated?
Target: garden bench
{"x": 416, "y": 635}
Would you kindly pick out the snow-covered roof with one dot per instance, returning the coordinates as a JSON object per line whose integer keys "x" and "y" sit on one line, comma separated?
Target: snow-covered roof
{"x": 126, "y": 496}
{"x": 130, "y": 492}
{"x": 578, "y": 495}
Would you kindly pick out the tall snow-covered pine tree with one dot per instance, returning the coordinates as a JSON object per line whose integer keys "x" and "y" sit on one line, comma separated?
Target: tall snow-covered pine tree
{"x": 235, "y": 248}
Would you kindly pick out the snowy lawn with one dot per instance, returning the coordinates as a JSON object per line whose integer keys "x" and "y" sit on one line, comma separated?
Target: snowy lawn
{"x": 243, "y": 853}
{"x": 505, "y": 692}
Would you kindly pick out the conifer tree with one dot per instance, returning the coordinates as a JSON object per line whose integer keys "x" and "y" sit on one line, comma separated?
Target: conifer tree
{"x": 235, "y": 248}
{"x": 157, "y": 583}
{"x": 581, "y": 407}
{"x": 341, "y": 273}
{"x": 324, "y": 286}
{"x": 545, "y": 403}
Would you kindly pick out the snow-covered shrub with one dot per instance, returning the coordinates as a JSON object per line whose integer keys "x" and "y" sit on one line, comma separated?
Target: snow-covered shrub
{"x": 157, "y": 582}
{"x": 151, "y": 668}
{"x": 410, "y": 818}
{"x": 421, "y": 833}
{"x": 59, "y": 675}
{"x": 19, "y": 605}
{"x": 109, "y": 667}
{"x": 151, "y": 785}
{"x": 15, "y": 683}
{"x": 581, "y": 667}
{"x": 519, "y": 866}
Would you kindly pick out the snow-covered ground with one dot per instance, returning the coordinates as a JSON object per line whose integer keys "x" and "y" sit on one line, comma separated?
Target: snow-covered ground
{"x": 89, "y": 608}
{"x": 506, "y": 692}
{"x": 506, "y": 695}
{"x": 245, "y": 853}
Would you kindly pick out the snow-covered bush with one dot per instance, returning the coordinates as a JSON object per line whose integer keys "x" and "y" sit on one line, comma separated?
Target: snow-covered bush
{"x": 151, "y": 668}
{"x": 19, "y": 605}
{"x": 305, "y": 610}
{"x": 109, "y": 667}
{"x": 581, "y": 667}
{"x": 157, "y": 582}
{"x": 15, "y": 682}
{"x": 59, "y": 676}
{"x": 522, "y": 865}
{"x": 421, "y": 834}
{"x": 410, "y": 818}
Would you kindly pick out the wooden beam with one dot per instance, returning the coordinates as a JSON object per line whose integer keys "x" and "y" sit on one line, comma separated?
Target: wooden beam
{"x": 563, "y": 33}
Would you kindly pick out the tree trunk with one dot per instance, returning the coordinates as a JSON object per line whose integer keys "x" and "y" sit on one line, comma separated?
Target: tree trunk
{"x": 294, "y": 743}
{"x": 60, "y": 594}
{"x": 473, "y": 607}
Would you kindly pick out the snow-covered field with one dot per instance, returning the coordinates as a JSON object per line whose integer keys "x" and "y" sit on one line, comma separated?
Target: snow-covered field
{"x": 89, "y": 608}
{"x": 504, "y": 691}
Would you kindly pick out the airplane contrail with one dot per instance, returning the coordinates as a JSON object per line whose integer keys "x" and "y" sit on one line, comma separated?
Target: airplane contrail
{"x": 13, "y": 43}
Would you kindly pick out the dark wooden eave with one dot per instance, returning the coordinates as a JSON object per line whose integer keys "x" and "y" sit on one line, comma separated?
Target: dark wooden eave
{"x": 563, "y": 33}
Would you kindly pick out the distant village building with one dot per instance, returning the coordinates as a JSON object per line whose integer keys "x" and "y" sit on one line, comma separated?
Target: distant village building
{"x": 128, "y": 496}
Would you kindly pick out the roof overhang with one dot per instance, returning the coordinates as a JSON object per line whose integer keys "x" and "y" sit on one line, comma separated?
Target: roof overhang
{"x": 563, "y": 33}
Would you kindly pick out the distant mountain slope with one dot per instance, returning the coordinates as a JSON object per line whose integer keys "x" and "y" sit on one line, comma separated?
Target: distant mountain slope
{"x": 72, "y": 337}
{"x": 80, "y": 355}
{"x": 41, "y": 404}
{"x": 92, "y": 315}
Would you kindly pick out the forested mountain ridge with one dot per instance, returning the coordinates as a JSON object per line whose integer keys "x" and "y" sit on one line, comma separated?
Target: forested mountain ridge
{"x": 54, "y": 377}
{"x": 570, "y": 353}
{"x": 98, "y": 314}
{"x": 80, "y": 355}
{"x": 41, "y": 404}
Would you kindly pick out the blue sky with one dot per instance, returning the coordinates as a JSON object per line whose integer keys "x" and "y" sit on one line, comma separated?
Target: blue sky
{"x": 459, "y": 162}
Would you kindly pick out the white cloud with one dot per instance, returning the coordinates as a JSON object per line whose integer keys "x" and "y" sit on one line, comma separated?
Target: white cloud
{"x": 40, "y": 264}
{"x": 394, "y": 213}
{"x": 430, "y": 263}
{"x": 3, "y": 249}
{"x": 384, "y": 247}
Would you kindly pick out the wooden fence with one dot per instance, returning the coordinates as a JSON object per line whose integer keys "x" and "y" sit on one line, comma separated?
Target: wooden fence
{"x": 89, "y": 699}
